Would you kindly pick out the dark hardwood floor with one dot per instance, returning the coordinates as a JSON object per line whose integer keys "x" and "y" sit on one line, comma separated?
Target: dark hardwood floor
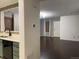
{"x": 54, "y": 48}
{"x": 46, "y": 55}
{"x": 47, "y": 48}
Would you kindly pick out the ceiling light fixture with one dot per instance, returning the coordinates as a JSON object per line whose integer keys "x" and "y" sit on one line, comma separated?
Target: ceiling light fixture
{"x": 45, "y": 14}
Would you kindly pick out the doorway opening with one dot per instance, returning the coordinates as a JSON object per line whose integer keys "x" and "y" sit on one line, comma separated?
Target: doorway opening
{"x": 59, "y": 29}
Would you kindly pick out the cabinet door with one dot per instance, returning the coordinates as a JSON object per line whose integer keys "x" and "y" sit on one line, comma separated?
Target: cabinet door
{"x": 15, "y": 57}
{"x": 7, "y": 49}
{"x": 1, "y": 48}
{"x": 15, "y": 50}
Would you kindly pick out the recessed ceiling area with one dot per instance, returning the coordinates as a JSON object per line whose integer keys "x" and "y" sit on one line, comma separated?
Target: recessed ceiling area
{"x": 60, "y": 7}
{"x": 12, "y": 10}
{"x": 4, "y": 3}
{"x": 51, "y": 8}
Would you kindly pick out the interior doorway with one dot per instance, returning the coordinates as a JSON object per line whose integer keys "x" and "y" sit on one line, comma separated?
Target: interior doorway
{"x": 59, "y": 20}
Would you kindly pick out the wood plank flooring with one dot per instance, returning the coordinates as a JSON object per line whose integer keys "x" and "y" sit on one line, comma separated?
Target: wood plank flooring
{"x": 54, "y": 48}
{"x": 47, "y": 48}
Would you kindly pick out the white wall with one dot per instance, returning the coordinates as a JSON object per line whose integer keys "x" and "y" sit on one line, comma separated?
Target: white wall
{"x": 55, "y": 27}
{"x": 30, "y": 36}
{"x": 69, "y": 27}
{"x": 2, "y": 21}
{"x": 42, "y": 27}
{"x": 16, "y": 22}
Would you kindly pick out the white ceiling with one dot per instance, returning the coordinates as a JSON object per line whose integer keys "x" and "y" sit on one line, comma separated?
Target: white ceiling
{"x": 56, "y": 7}
{"x": 60, "y": 7}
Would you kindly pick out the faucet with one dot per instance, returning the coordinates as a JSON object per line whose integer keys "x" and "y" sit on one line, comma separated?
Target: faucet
{"x": 10, "y": 34}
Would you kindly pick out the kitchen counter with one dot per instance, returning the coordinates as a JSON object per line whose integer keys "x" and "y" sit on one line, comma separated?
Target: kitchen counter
{"x": 15, "y": 37}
